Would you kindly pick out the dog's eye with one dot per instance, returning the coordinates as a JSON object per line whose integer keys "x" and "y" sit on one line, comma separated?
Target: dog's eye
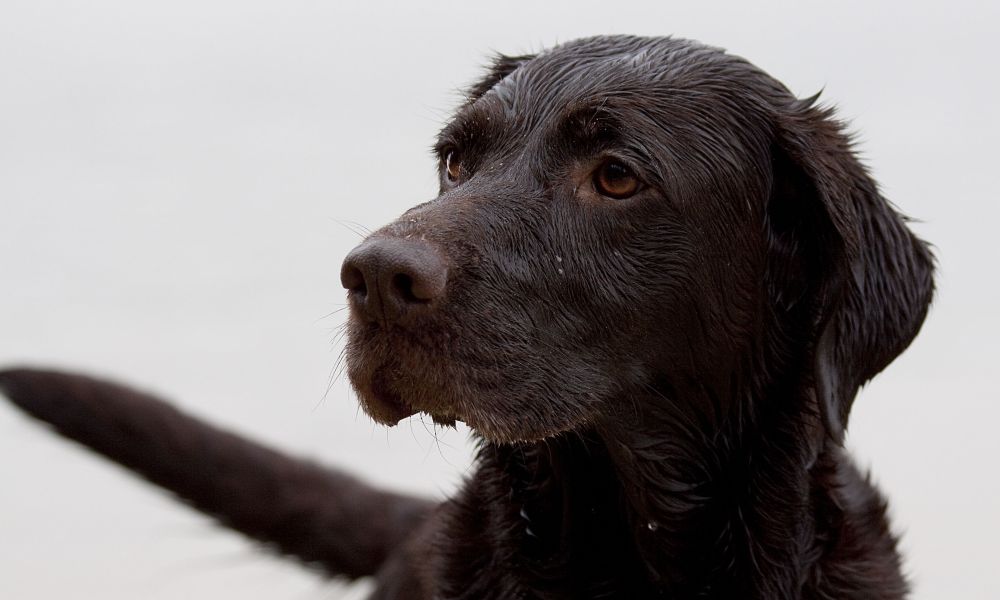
{"x": 615, "y": 180}
{"x": 452, "y": 165}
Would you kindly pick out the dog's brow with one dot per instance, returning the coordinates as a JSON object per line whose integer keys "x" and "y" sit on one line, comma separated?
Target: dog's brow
{"x": 590, "y": 119}
{"x": 471, "y": 125}
{"x": 589, "y": 126}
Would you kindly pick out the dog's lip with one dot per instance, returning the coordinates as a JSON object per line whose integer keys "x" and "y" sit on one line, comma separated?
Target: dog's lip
{"x": 385, "y": 405}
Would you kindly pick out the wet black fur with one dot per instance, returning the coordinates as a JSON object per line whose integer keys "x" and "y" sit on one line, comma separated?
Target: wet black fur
{"x": 660, "y": 384}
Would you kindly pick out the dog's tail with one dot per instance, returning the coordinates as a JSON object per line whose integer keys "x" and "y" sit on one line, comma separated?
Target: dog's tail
{"x": 298, "y": 508}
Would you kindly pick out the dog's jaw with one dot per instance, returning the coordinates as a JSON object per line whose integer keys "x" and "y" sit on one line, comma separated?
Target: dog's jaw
{"x": 382, "y": 403}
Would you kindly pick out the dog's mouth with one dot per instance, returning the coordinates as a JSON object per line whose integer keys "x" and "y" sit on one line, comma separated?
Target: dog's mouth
{"x": 384, "y": 404}
{"x": 454, "y": 365}
{"x": 387, "y": 406}
{"x": 398, "y": 374}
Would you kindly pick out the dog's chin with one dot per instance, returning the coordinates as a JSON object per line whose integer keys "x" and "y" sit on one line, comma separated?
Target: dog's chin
{"x": 383, "y": 404}
{"x": 394, "y": 386}
{"x": 381, "y": 400}
{"x": 386, "y": 406}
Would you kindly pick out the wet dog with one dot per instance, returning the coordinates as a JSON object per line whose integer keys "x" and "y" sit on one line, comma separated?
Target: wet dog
{"x": 652, "y": 283}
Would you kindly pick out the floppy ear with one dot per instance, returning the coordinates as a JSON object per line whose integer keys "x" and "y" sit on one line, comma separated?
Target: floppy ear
{"x": 501, "y": 67}
{"x": 872, "y": 278}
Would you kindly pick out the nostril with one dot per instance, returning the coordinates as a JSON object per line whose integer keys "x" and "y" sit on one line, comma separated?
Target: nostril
{"x": 402, "y": 284}
{"x": 354, "y": 280}
{"x": 423, "y": 278}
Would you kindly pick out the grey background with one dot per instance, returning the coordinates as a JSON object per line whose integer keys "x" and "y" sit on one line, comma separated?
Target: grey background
{"x": 179, "y": 183}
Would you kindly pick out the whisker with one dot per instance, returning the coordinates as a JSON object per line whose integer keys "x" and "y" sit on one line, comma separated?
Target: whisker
{"x": 356, "y": 228}
{"x": 333, "y": 312}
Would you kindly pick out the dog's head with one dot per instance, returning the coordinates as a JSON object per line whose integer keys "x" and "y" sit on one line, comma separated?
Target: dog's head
{"x": 619, "y": 215}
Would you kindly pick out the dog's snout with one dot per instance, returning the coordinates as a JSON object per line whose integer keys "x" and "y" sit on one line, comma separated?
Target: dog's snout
{"x": 389, "y": 278}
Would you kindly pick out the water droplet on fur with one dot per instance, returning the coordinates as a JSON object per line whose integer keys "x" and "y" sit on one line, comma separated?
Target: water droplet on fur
{"x": 652, "y": 526}
{"x": 558, "y": 258}
{"x": 560, "y": 271}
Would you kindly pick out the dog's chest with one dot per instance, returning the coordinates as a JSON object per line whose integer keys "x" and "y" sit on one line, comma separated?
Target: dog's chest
{"x": 538, "y": 529}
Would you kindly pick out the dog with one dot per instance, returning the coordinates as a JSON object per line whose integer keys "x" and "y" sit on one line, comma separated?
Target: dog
{"x": 652, "y": 283}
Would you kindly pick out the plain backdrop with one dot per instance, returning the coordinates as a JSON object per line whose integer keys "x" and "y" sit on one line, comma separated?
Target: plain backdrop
{"x": 179, "y": 182}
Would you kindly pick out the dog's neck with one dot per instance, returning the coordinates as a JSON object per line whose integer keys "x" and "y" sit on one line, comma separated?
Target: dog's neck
{"x": 662, "y": 498}
{"x": 726, "y": 499}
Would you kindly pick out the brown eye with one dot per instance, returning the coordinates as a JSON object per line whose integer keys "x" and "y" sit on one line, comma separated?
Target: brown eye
{"x": 452, "y": 165}
{"x": 615, "y": 180}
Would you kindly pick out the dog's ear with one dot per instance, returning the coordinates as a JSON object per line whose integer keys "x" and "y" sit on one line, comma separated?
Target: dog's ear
{"x": 870, "y": 278}
{"x": 499, "y": 68}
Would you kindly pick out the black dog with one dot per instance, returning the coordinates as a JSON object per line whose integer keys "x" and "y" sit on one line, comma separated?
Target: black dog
{"x": 653, "y": 283}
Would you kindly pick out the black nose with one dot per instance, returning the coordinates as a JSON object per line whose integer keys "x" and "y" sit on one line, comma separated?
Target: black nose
{"x": 392, "y": 278}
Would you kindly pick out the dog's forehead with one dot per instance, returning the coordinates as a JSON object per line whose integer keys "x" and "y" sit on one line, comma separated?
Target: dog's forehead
{"x": 660, "y": 78}
{"x": 592, "y": 69}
